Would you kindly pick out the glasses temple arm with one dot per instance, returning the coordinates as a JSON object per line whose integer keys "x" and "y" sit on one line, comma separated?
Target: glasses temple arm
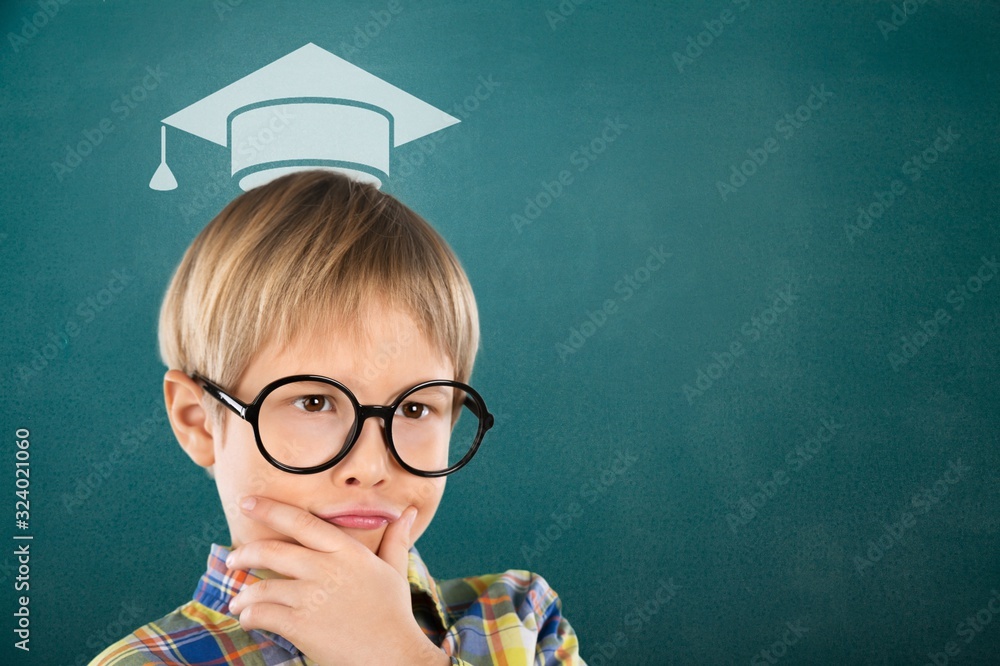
{"x": 485, "y": 417}
{"x": 216, "y": 392}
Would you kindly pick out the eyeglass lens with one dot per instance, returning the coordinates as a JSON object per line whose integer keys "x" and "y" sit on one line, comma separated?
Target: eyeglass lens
{"x": 308, "y": 423}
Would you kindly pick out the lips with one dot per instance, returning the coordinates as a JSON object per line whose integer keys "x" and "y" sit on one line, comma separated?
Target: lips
{"x": 359, "y": 517}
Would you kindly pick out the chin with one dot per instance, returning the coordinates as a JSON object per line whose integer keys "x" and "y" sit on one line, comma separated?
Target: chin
{"x": 370, "y": 539}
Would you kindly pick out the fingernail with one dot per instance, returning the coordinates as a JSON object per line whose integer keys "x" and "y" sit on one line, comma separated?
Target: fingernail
{"x": 248, "y": 503}
{"x": 410, "y": 517}
{"x": 229, "y": 560}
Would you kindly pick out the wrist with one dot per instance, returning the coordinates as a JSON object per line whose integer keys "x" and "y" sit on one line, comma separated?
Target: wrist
{"x": 422, "y": 651}
{"x": 430, "y": 655}
{"x": 441, "y": 660}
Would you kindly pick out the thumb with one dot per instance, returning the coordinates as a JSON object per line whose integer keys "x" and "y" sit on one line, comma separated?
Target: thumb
{"x": 395, "y": 545}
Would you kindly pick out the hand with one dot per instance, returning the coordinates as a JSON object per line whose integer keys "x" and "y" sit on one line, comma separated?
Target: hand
{"x": 340, "y": 603}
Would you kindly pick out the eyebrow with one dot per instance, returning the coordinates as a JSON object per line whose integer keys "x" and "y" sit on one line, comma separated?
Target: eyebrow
{"x": 443, "y": 391}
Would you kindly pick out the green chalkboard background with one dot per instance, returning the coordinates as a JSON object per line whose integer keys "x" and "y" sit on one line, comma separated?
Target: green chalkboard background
{"x": 752, "y": 334}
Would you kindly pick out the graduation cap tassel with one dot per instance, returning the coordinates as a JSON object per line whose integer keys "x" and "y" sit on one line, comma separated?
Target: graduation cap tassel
{"x": 163, "y": 179}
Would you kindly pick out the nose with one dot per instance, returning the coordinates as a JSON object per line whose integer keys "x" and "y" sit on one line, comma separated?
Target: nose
{"x": 369, "y": 462}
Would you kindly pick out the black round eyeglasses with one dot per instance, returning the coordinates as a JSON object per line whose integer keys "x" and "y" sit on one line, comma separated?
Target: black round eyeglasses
{"x": 306, "y": 424}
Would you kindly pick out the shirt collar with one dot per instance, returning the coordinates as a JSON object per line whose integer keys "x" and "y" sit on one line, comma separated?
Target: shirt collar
{"x": 423, "y": 585}
{"x": 219, "y": 584}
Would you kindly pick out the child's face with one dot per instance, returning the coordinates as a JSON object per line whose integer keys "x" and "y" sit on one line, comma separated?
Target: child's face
{"x": 393, "y": 357}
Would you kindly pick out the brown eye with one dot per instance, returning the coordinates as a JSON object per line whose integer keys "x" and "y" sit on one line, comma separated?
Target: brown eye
{"x": 313, "y": 403}
{"x": 413, "y": 410}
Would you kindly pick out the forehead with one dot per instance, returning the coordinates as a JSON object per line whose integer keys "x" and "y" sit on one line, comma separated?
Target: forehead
{"x": 383, "y": 347}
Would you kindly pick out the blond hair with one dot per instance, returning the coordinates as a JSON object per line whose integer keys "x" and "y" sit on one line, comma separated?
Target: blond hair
{"x": 308, "y": 249}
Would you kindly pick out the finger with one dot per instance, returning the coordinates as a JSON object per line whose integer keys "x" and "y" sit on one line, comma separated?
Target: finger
{"x": 270, "y": 590}
{"x": 287, "y": 559}
{"x": 395, "y": 545}
{"x": 309, "y": 530}
{"x": 270, "y": 617}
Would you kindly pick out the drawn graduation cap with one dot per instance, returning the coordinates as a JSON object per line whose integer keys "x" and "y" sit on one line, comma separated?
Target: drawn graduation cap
{"x": 309, "y": 109}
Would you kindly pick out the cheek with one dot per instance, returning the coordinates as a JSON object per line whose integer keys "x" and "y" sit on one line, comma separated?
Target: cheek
{"x": 236, "y": 470}
{"x": 240, "y": 471}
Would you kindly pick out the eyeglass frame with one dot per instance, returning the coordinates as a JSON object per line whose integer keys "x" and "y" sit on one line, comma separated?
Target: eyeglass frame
{"x": 250, "y": 412}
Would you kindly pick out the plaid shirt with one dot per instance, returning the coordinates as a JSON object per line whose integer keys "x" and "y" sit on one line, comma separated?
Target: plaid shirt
{"x": 511, "y": 618}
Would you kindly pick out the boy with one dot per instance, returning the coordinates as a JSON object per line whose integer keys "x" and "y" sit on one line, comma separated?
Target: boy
{"x": 319, "y": 336}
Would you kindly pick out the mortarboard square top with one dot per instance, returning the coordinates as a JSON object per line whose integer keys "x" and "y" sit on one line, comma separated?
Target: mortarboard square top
{"x": 309, "y": 109}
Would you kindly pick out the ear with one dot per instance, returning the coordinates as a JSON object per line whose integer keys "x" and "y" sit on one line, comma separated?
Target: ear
{"x": 188, "y": 418}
